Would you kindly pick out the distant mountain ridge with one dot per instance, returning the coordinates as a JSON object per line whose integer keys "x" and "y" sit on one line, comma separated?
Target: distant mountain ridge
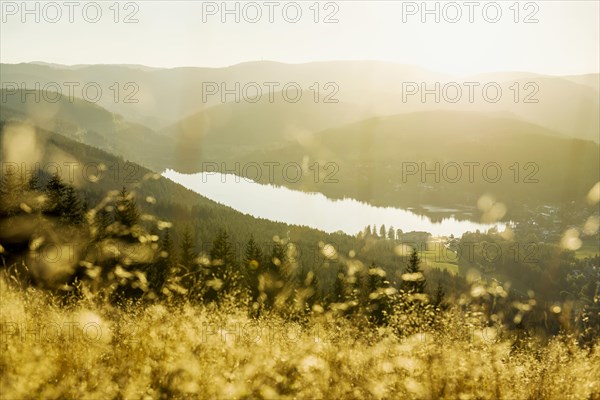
{"x": 164, "y": 96}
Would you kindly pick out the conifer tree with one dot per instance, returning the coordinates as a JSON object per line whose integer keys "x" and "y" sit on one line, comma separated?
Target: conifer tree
{"x": 159, "y": 272}
{"x": 277, "y": 259}
{"x": 253, "y": 254}
{"x": 187, "y": 253}
{"x": 55, "y": 191}
{"x": 279, "y": 278}
{"x": 253, "y": 260}
{"x": 375, "y": 300}
{"x": 391, "y": 233}
{"x": 126, "y": 211}
{"x": 382, "y": 232}
{"x": 72, "y": 212}
{"x": 186, "y": 272}
{"x": 399, "y": 234}
{"x": 224, "y": 273}
{"x": 103, "y": 219}
{"x": 416, "y": 283}
{"x": 438, "y": 297}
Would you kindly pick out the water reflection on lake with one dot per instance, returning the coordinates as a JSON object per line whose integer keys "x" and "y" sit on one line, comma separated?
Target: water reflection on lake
{"x": 312, "y": 209}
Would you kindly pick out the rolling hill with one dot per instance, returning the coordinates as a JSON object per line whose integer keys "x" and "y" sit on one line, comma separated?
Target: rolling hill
{"x": 164, "y": 97}
{"x": 227, "y": 130}
{"x": 87, "y": 123}
{"x": 375, "y": 161}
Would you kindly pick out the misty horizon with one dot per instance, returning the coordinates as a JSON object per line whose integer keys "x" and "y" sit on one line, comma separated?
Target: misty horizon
{"x": 82, "y": 65}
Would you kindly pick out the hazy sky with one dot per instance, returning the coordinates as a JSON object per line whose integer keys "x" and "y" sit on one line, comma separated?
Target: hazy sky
{"x": 565, "y": 40}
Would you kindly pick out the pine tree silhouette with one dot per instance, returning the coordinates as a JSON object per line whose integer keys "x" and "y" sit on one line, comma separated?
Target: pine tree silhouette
{"x": 253, "y": 263}
{"x": 224, "y": 274}
{"x": 72, "y": 211}
{"x": 416, "y": 282}
{"x": 126, "y": 211}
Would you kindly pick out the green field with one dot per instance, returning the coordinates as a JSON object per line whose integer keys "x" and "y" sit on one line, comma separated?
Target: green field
{"x": 433, "y": 259}
{"x": 588, "y": 249}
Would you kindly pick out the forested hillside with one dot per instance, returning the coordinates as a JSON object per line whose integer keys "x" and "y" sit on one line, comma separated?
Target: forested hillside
{"x": 158, "y": 240}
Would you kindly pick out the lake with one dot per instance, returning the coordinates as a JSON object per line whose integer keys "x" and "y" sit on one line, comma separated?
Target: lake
{"x": 313, "y": 209}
